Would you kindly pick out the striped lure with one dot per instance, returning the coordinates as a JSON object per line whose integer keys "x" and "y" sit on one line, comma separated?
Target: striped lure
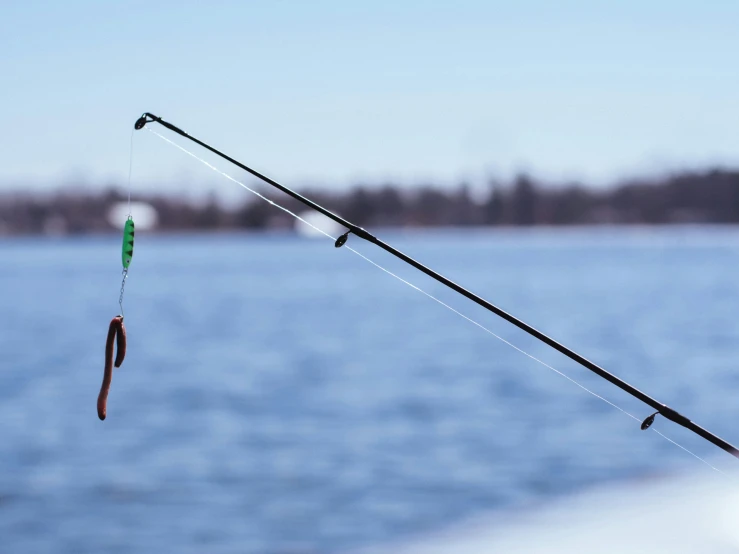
{"x": 127, "y": 250}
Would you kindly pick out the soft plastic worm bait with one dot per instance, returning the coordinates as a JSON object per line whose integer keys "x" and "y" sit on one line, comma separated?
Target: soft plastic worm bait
{"x": 115, "y": 329}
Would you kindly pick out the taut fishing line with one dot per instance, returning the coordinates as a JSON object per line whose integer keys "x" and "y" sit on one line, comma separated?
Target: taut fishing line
{"x": 432, "y": 297}
{"x": 130, "y": 171}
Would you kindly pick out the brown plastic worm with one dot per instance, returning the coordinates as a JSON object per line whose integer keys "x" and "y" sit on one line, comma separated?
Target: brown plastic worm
{"x": 115, "y": 325}
{"x": 120, "y": 344}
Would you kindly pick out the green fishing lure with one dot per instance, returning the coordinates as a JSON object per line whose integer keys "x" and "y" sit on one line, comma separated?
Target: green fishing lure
{"x": 127, "y": 250}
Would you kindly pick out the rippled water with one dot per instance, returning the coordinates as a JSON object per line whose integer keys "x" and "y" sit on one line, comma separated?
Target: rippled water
{"x": 280, "y": 395}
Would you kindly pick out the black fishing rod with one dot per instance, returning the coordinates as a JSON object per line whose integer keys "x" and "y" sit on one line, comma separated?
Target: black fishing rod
{"x": 660, "y": 408}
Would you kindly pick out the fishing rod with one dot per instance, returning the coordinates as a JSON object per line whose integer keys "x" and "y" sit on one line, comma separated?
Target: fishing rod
{"x": 660, "y": 409}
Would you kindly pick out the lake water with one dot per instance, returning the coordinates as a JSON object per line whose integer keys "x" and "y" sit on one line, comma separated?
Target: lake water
{"x": 283, "y": 396}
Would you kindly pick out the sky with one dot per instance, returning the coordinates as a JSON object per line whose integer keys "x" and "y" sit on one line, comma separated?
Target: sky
{"x": 335, "y": 93}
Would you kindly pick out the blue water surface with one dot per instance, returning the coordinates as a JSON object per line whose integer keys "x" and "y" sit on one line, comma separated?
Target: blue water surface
{"x": 283, "y": 396}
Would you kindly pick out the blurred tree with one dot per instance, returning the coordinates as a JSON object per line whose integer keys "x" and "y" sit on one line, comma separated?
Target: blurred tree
{"x": 254, "y": 215}
{"x": 390, "y": 207}
{"x": 493, "y": 208}
{"x": 523, "y": 202}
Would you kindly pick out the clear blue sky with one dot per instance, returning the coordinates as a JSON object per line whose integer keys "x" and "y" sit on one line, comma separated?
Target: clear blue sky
{"x": 341, "y": 91}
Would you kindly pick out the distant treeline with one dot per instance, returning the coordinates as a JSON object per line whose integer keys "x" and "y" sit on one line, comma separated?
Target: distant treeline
{"x": 705, "y": 197}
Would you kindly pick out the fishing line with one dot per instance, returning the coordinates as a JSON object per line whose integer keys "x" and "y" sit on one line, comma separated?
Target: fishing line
{"x": 227, "y": 176}
{"x": 583, "y": 387}
{"x": 432, "y": 297}
{"x": 688, "y": 451}
{"x": 130, "y": 170}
